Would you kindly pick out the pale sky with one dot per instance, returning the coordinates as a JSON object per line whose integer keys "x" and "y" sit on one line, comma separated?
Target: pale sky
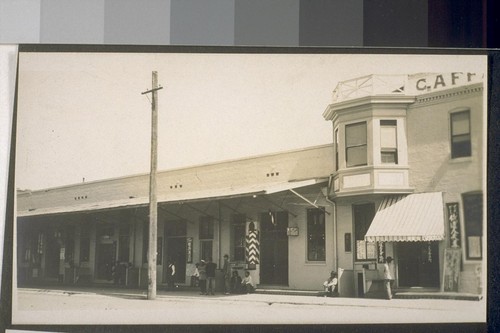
{"x": 82, "y": 115}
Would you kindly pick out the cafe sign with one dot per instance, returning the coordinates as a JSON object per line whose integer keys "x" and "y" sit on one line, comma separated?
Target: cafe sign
{"x": 439, "y": 81}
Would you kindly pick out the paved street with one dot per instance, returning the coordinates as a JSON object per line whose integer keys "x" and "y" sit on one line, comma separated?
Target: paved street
{"x": 44, "y": 306}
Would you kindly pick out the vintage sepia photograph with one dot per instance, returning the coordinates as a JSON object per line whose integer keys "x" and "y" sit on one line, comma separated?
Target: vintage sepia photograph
{"x": 191, "y": 186}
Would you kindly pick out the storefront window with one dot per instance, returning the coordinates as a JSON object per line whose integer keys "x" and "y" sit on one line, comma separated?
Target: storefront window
{"x": 206, "y": 249}
{"x": 206, "y": 227}
{"x": 123, "y": 243}
{"x": 206, "y": 236}
{"x": 85, "y": 243}
{"x": 473, "y": 222}
{"x": 315, "y": 235}
{"x": 363, "y": 216}
{"x": 238, "y": 237}
{"x": 145, "y": 241}
{"x": 69, "y": 245}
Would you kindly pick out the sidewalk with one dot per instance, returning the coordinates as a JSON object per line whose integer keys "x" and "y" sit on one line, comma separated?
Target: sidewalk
{"x": 192, "y": 294}
{"x": 90, "y": 305}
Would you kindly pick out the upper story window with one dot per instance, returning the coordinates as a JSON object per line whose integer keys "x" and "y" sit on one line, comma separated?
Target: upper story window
{"x": 460, "y": 134}
{"x": 336, "y": 146}
{"x": 356, "y": 144}
{"x": 388, "y": 142}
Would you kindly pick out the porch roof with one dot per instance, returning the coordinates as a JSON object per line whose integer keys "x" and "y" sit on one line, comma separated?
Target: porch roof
{"x": 212, "y": 194}
{"x": 416, "y": 217}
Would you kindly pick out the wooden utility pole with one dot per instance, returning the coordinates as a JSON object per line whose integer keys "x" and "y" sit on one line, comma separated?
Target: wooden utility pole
{"x": 153, "y": 206}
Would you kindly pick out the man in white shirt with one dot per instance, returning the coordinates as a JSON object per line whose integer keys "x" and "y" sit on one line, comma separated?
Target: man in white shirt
{"x": 388, "y": 276}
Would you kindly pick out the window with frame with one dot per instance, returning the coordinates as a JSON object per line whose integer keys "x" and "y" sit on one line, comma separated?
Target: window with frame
{"x": 363, "y": 217}
{"x": 473, "y": 224}
{"x": 145, "y": 241}
{"x": 356, "y": 144}
{"x": 238, "y": 226}
{"x": 460, "y": 134}
{"x": 206, "y": 234}
{"x": 336, "y": 146}
{"x": 85, "y": 243}
{"x": 316, "y": 235}
{"x": 123, "y": 242}
{"x": 388, "y": 142}
{"x": 206, "y": 246}
{"x": 206, "y": 227}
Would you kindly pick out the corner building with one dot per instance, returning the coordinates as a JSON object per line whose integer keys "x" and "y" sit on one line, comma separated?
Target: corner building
{"x": 404, "y": 177}
{"x": 408, "y": 181}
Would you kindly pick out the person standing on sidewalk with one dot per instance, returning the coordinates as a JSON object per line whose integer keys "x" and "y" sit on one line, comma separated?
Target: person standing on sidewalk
{"x": 211, "y": 266}
{"x": 226, "y": 269}
{"x": 202, "y": 270}
{"x": 388, "y": 277}
{"x": 170, "y": 275}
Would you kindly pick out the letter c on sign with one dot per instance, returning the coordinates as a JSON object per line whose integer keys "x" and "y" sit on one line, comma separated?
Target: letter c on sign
{"x": 419, "y": 87}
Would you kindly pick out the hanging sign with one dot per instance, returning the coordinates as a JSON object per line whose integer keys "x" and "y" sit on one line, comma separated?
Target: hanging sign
{"x": 381, "y": 252}
{"x": 189, "y": 250}
{"x": 452, "y": 257}
{"x": 453, "y": 224}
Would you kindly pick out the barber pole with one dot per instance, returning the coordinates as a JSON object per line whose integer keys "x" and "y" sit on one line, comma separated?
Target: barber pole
{"x": 252, "y": 246}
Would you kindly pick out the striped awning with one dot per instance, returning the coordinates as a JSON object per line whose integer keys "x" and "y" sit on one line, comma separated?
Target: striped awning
{"x": 411, "y": 218}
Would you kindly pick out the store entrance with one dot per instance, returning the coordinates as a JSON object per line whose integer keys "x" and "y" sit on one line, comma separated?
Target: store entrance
{"x": 105, "y": 260}
{"x": 52, "y": 257}
{"x": 274, "y": 249}
{"x": 175, "y": 249}
{"x": 418, "y": 264}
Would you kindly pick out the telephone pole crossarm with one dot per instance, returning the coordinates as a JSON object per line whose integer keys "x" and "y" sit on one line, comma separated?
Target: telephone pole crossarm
{"x": 151, "y": 90}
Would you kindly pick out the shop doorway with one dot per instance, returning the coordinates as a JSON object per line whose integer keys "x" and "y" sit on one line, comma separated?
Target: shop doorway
{"x": 105, "y": 260}
{"x": 52, "y": 260}
{"x": 274, "y": 248}
{"x": 418, "y": 264}
{"x": 175, "y": 249}
{"x": 105, "y": 255}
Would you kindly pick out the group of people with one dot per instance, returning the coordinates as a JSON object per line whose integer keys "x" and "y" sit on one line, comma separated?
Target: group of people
{"x": 204, "y": 275}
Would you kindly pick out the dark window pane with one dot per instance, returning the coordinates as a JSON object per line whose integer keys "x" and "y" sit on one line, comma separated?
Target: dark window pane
{"x": 363, "y": 216}
{"x": 206, "y": 227}
{"x": 389, "y": 157}
{"x": 460, "y": 134}
{"x": 85, "y": 243}
{"x": 316, "y": 235}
